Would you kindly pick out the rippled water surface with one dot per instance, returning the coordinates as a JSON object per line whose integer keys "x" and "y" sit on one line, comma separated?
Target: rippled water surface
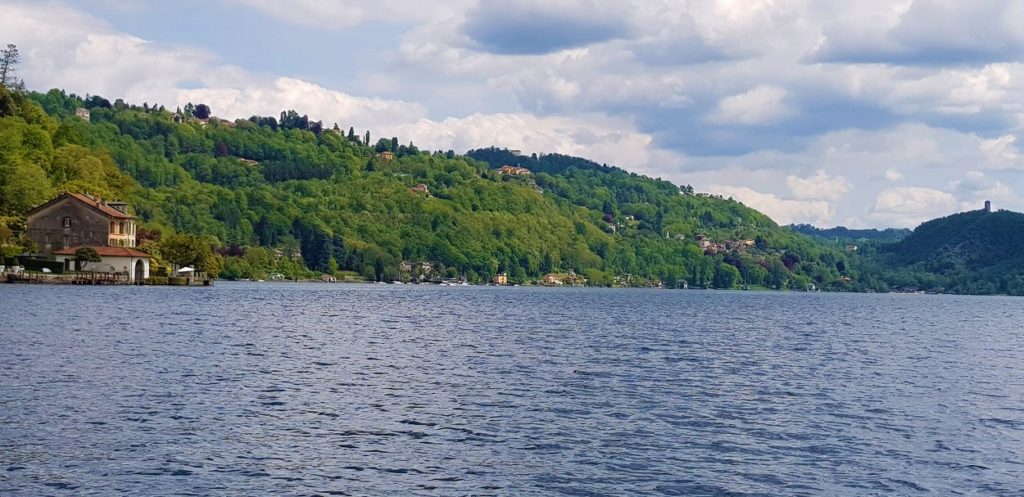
{"x": 281, "y": 389}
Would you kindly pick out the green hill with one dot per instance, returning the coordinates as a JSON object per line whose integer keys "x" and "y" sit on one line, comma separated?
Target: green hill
{"x": 842, "y": 234}
{"x": 975, "y": 252}
{"x": 286, "y": 194}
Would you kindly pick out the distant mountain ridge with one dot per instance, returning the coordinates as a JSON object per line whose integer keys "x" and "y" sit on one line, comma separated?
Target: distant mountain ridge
{"x": 844, "y": 234}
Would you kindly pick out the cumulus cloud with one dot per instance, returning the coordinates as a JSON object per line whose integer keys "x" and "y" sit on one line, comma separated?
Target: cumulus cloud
{"x": 818, "y": 187}
{"x": 931, "y": 31}
{"x": 761, "y": 105}
{"x": 816, "y": 110}
{"x": 893, "y": 175}
{"x": 599, "y": 138}
{"x": 976, "y": 187}
{"x": 290, "y": 93}
{"x": 351, "y": 13}
{"x": 782, "y": 211}
{"x": 91, "y": 57}
{"x": 907, "y": 207}
{"x": 537, "y": 27}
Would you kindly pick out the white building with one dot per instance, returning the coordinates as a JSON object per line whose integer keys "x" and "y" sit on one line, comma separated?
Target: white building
{"x": 123, "y": 260}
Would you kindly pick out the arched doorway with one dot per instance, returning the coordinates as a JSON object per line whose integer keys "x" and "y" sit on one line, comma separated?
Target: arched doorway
{"x": 140, "y": 271}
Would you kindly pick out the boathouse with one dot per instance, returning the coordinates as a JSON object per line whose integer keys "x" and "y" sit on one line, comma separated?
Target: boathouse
{"x": 124, "y": 260}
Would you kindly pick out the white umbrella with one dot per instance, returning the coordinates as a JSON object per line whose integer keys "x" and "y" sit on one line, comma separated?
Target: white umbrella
{"x": 186, "y": 269}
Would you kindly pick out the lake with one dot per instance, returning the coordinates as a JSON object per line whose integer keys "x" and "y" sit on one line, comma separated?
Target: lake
{"x": 315, "y": 389}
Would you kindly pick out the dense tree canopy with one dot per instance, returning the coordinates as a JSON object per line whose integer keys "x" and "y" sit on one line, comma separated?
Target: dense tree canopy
{"x": 285, "y": 195}
{"x": 974, "y": 252}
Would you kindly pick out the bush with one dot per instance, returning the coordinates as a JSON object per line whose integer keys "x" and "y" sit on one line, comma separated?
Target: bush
{"x": 177, "y": 281}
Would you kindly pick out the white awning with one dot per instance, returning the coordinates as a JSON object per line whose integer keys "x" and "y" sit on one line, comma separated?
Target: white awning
{"x": 186, "y": 269}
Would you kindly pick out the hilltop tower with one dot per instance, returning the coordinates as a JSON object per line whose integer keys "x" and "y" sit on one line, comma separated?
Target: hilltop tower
{"x": 988, "y": 206}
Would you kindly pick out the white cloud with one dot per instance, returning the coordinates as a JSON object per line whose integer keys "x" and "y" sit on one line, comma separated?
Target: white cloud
{"x": 350, "y": 13}
{"x": 782, "y": 211}
{"x": 269, "y": 98}
{"x": 708, "y": 93}
{"x": 818, "y": 187}
{"x": 598, "y": 138}
{"x": 761, "y": 105}
{"x": 907, "y": 207}
{"x": 893, "y": 175}
{"x": 976, "y": 187}
{"x": 83, "y": 55}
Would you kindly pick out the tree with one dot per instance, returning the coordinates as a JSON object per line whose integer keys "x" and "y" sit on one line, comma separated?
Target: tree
{"x": 189, "y": 250}
{"x": 85, "y": 255}
{"x": 726, "y": 276}
{"x": 202, "y": 111}
{"x": 9, "y": 58}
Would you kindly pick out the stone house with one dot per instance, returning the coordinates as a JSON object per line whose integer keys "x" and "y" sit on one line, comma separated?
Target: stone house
{"x": 73, "y": 220}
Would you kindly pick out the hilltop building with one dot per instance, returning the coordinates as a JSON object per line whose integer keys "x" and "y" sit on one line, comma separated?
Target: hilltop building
{"x": 514, "y": 170}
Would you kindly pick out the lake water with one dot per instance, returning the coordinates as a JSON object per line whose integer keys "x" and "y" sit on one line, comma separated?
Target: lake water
{"x": 313, "y": 389}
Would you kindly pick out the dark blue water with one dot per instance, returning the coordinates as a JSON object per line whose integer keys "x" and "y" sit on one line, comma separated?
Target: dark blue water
{"x": 277, "y": 389}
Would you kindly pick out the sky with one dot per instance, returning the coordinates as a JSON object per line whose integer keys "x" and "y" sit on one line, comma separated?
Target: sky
{"x": 875, "y": 113}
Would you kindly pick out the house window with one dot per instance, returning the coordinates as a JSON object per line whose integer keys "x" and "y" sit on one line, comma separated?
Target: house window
{"x": 67, "y": 222}
{"x": 67, "y": 241}
{"x": 113, "y": 228}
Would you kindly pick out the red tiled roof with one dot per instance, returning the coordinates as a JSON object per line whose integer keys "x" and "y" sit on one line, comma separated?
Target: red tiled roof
{"x": 107, "y": 252}
{"x": 100, "y": 206}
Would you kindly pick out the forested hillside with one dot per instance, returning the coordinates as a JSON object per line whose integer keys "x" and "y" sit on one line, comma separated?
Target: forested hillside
{"x": 284, "y": 194}
{"x": 975, "y": 252}
{"x": 846, "y": 235}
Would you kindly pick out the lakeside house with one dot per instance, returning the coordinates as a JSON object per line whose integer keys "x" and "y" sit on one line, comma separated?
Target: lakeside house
{"x": 70, "y": 221}
{"x": 500, "y": 279}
